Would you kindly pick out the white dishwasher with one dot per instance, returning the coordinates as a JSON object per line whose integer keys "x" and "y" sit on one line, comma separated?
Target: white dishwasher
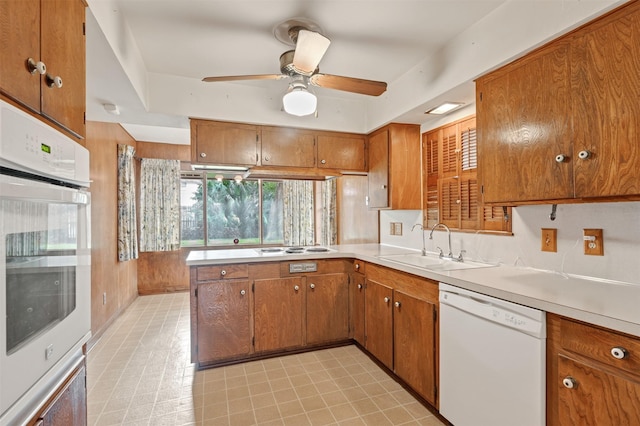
{"x": 492, "y": 360}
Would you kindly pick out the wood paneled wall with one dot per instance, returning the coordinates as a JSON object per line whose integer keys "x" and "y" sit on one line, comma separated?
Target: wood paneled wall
{"x": 117, "y": 279}
{"x": 162, "y": 272}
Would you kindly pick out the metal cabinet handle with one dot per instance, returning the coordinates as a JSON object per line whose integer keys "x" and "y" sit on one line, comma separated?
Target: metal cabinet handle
{"x": 323, "y": 161}
{"x": 312, "y": 286}
{"x": 357, "y": 266}
{"x": 560, "y": 158}
{"x": 397, "y": 304}
{"x": 242, "y": 292}
{"x": 223, "y": 272}
{"x": 359, "y": 286}
{"x": 266, "y": 158}
{"x": 386, "y": 300}
{"x": 569, "y": 382}
{"x": 619, "y": 352}
{"x": 36, "y": 67}
{"x": 383, "y": 186}
{"x": 54, "y": 82}
{"x": 203, "y": 154}
{"x": 583, "y": 155}
{"x": 296, "y": 288}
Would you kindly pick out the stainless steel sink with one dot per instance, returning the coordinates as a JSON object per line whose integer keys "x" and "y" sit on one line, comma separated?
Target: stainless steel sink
{"x": 433, "y": 262}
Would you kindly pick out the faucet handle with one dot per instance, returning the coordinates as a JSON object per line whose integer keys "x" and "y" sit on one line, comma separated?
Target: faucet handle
{"x": 441, "y": 252}
{"x": 460, "y": 258}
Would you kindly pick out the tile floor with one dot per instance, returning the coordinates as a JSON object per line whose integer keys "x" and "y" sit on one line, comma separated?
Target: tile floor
{"x": 139, "y": 374}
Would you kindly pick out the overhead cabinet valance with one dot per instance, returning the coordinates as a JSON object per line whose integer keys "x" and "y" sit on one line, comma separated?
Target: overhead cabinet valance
{"x": 563, "y": 123}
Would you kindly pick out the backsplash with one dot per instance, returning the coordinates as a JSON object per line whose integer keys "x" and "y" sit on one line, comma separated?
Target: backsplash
{"x": 620, "y": 223}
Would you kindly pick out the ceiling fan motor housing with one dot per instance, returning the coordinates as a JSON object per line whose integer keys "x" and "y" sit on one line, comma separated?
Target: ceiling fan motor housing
{"x": 287, "y": 67}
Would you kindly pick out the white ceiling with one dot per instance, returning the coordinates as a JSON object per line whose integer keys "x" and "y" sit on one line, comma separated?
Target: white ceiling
{"x": 148, "y": 57}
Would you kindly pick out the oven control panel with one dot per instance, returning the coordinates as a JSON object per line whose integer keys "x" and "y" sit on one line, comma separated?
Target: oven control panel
{"x": 303, "y": 267}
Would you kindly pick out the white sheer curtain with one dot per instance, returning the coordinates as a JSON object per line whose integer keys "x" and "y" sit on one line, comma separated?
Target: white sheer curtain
{"x": 159, "y": 205}
{"x": 329, "y": 231}
{"x": 127, "y": 228}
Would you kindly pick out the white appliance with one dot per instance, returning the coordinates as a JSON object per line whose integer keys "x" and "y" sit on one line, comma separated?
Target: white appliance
{"x": 492, "y": 360}
{"x": 45, "y": 261}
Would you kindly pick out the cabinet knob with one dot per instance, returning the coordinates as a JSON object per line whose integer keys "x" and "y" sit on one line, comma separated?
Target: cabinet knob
{"x": 397, "y": 304}
{"x": 36, "y": 67}
{"x": 386, "y": 300}
{"x": 569, "y": 382}
{"x": 560, "y": 158}
{"x": 54, "y": 82}
{"x": 242, "y": 292}
{"x": 357, "y": 266}
{"x": 383, "y": 186}
{"x": 203, "y": 155}
{"x": 323, "y": 161}
{"x": 296, "y": 288}
{"x": 266, "y": 158}
{"x": 359, "y": 286}
{"x": 312, "y": 286}
{"x": 618, "y": 352}
{"x": 223, "y": 272}
{"x": 583, "y": 155}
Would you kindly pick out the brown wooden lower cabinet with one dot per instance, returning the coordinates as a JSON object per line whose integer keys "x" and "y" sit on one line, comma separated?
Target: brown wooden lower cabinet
{"x": 401, "y": 327}
{"x": 327, "y": 308}
{"x": 242, "y": 311}
{"x": 278, "y": 313}
{"x": 224, "y": 320}
{"x": 592, "y": 375}
{"x": 69, "y": 405}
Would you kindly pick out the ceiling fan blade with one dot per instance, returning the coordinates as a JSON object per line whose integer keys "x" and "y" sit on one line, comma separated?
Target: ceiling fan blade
{"x": 310, "y": 48}
{"x": 245, "y": 77}
{"x": 349, "y": 84}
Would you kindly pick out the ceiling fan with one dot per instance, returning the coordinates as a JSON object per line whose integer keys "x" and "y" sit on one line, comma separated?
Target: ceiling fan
{"x": 301, "y": 66}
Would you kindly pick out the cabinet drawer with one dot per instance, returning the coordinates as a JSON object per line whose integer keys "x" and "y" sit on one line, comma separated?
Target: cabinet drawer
{"x": 601, "y": 345}
{"x": 358, "y": 266}
{"x": 218, "y": 272}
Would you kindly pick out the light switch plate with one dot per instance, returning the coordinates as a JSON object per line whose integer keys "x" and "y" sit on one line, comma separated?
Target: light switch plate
{"x": 549, "y": 239}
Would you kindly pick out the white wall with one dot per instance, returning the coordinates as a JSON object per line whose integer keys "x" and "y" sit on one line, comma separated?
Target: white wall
{"x": 620, "y": 223}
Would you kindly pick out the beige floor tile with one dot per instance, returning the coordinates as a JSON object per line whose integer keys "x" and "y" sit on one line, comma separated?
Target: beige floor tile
{"x": 140, "y": 373}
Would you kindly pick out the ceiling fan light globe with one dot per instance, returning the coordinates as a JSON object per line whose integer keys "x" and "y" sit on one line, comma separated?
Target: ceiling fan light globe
{"x": 298, "y": 101}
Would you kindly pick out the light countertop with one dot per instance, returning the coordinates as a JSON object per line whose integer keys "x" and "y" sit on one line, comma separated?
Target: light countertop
{"x": 610, "y": 304}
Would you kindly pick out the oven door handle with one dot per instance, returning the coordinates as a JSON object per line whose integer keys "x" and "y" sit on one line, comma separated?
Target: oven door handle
{"x": 44, "y": 193}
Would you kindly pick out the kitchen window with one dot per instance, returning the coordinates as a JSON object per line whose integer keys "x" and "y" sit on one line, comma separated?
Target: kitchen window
{"x": 227, "y": 212}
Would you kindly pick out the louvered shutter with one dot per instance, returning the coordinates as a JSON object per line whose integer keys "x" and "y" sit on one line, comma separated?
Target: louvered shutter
{"x": 468, "y": 145}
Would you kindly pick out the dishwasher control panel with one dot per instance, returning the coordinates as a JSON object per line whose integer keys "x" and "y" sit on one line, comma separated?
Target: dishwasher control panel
{"x": 303, "y": 267}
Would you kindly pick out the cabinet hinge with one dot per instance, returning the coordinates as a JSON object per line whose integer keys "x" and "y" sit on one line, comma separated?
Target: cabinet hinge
{"x": 435, "y": 315}
{"x": 482, "y": 189}
{"x": 196, "y": 292}
{"x": 253, "y": 341}
{"x": 435, "y": 393}
{"x": 253, "y": 288}
{"x": 480, "y": 96}
{"x": 84, "y": 29}
{"x": 84, "y": 118}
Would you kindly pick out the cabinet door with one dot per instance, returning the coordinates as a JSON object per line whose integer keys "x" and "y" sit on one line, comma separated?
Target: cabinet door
{"x": 327, "y": 308}
{"x": 341, "y": 152}
{"x": 524, "y": 122}
{"x": 223, "y": 143}
{"x": 63, "y": 51}
{"x": 357, "y": 307}
{"x": 597, "y": 397}
{"x": 278, "y": 313}
{"x": 20, "y": 40}
{"x": 223, "y": 320}
{"x": 70, "y": 406}
{"x": 379, "y": 170}
{"x": 379, "y": 322}
{"x": 415, "y": 343}
{"x": 288, "y": 147}
{"x": 604, "y": 78}
{"x": 430, "y": 173}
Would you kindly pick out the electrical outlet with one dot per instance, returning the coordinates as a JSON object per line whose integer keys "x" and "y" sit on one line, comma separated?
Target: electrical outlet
{"x": 396, "y": 228}
{"x": 593, "y": 242}
{"x": 549, "y": 239}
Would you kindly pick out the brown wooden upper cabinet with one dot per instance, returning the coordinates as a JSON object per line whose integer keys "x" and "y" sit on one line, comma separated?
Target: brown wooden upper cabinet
{"x": 287, "y": 147}
{"x": 394, "y": 167}
{"x": 42, "y": 60}
{"x": 219, "y": 143}
{"x": 342, "y": 151}
{"x": 564, "y": 121}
